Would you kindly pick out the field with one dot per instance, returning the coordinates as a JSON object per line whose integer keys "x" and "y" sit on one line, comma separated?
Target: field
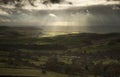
{"x": 82, "y": 55}
{"x": 27, "y": 73}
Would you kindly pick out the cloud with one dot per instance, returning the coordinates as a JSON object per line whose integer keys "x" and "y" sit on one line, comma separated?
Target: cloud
{"x": 4, "y": 13}
{"x": 97, "y": 19}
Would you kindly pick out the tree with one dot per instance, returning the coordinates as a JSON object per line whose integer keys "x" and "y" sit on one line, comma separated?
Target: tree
{"x": 113, "y": 69}
{"x": 97, "y": 69}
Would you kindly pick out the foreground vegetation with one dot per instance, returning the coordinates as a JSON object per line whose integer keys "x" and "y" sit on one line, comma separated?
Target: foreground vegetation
{"x": 10, "y": 72}
{"x": 85, "y": 54}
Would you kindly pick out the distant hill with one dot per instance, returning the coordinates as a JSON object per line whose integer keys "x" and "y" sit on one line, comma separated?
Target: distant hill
{"x": 8, "y": 32}
{"x": 85, "y": 39}
{"x": 22, "y": 38}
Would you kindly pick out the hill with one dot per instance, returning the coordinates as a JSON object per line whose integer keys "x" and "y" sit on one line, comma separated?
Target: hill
{"x": 28, "y": 37}
{"x": 70, "y": 54}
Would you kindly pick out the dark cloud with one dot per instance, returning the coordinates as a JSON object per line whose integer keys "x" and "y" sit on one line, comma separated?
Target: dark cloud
{"x": 104, "y": 19}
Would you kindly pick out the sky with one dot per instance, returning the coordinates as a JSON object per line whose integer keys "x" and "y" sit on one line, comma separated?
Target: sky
{"x": 95, "y": 16}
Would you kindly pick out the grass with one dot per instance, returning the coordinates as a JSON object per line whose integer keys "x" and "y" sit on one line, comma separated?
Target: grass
{"x": 75, "y": 44}
{"x": 31, "y": 73}
{"x": 28, "y": 72}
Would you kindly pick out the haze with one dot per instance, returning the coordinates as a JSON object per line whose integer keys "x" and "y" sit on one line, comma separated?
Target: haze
{"x": 81, "y": 16}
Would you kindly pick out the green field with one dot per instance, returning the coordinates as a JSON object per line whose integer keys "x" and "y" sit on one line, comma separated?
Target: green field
{"x": 82, "y": 54}
{"x": 28, "y": 72}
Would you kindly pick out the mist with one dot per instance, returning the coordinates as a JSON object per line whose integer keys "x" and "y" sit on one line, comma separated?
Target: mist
{"x": 94, "y": 18}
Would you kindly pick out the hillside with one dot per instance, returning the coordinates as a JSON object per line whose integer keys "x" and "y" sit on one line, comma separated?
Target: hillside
{"x": 83, "y": 41}
{"x": 70, "y": 54}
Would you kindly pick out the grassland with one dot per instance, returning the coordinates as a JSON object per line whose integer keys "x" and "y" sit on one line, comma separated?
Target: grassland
{"x": 64, "y": 56}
